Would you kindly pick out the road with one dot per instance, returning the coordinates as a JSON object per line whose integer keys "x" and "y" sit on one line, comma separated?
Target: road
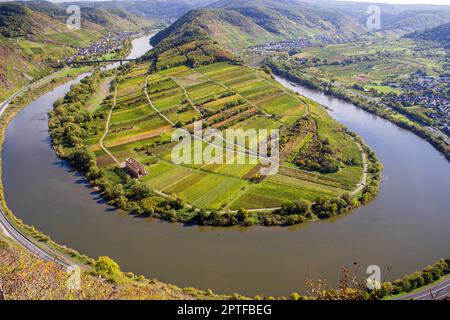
{"x": 5, "y": 104}
{"x": 11, "y": 231}
{"x": 437, "y": 291}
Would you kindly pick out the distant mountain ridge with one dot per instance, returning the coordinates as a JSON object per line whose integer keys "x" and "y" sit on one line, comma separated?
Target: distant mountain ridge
{"x": 241, "y": 24}
{"x": 440, "y": 34}
{"x": 159, "y": 10}
{"x": 28, "y": 18}
{"x": 400, "y": 18}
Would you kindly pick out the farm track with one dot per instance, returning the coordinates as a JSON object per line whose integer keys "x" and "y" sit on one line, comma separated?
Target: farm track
{"x": 186, "y": 95}
{"x": 363, "y": 181}
{"x": 151, "y": 103}
{"x": 245, "y": 151}
{"x": 108, "y": 120}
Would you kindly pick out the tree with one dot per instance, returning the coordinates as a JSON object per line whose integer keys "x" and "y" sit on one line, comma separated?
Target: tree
{"x": 242, "y": 214}
{"x": 177, "y": 202}
{"x": 108, "y": 268}
{"x": 140, "y": 190}
{"x": 81, "y": 158}
{"x": 300, "y": 207}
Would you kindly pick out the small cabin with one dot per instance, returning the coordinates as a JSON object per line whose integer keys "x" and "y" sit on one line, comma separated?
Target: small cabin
{"x": 135, "y": 168}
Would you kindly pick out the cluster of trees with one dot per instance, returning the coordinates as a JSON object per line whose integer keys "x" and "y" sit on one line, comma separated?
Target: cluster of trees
{"x": 411, "y": 114}
{"x": 318, "y": 156}
{"x": 216, "y": 218}
{"x": 13, "y": 20}
{"x": 416, "y": 280}
{"x": 291, "y": 213}
{"x": 69, "y": 122}
{"x": 303, "y": 210}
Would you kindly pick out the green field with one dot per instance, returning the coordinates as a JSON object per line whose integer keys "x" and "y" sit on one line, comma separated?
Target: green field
{"x": 371, "y": 61}
{"x": 223, "y": 96}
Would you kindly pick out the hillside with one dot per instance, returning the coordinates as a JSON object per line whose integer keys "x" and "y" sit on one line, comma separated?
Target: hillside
{"x": 35, "y": 34}
{"x": 395, "y": 17}
{"x": 186, "y": 42}
{"x": 440, "y": 34}
{"x": 23, "y": 276}
{"x": 252, "y": 23}
{"x": 158, "y": 10}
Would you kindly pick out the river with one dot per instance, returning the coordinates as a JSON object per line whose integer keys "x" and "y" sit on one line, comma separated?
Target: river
{"x": 404, "y": 229}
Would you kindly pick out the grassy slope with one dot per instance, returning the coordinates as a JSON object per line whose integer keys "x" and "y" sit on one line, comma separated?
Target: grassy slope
{"x": 136, "y": 126}
{"x": 256, "y": 23}
{"x": 440, "y": 33}
{"x": 23, "y": 276}
{"x": 33, "y": 36}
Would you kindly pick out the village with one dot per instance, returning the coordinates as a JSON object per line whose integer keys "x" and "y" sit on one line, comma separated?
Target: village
{"x": 296, "y": 44}
{"x": 428, "y": 92}
{"x": 109, "y": 43}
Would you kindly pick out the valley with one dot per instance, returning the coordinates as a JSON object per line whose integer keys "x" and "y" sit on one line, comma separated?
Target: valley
{"x": 147, "y": 108}
{"x": 90, "y": 164}
{"x": 35, "y": 40}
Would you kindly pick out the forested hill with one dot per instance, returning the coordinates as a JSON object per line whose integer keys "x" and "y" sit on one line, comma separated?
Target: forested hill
{"x": 398, "y": 18}
{"x": 160, "y": 10}
{"x": 256, "y": 22}
{"x": 440, "y": 34}
{"x": 33, "y": 35}
{"x": 35, "y": 17}
{"x": 187, "y": 41}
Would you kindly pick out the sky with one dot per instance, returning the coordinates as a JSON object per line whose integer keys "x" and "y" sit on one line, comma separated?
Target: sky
{"x": 441, "y": 2}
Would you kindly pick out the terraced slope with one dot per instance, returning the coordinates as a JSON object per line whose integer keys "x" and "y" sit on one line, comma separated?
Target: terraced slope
{"x": 224, "y": 96}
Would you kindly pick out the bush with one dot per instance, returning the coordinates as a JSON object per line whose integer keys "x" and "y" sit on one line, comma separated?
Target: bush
{"x": 109, "y": 269}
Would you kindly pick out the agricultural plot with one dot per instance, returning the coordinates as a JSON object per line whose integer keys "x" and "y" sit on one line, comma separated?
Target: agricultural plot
{"x": 223, "y": 96}
{"x": 371, "y": 62}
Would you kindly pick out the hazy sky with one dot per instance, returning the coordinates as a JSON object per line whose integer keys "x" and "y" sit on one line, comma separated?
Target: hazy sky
{"x": 441, "y": 2}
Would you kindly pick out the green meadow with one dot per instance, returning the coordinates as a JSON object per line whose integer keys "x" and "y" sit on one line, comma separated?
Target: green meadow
{"x": 223, "y": 96}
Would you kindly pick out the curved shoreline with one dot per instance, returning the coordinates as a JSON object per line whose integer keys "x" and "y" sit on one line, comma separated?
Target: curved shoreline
{"x": 416, "y": 128}
{"x": 107, "y": 234}
{"x": 288, "y": 213}
{"x": 27, "y": 236}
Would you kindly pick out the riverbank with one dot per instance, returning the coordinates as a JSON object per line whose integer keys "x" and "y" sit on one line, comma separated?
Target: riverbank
{"x": 9, "y": 109}
{"x": 8, "y": 113}
{"x": 38, "y": 185}
{"x": 56, "y": 257}
{"x": 364, "y": 104}
{"x": 133, "y": 196}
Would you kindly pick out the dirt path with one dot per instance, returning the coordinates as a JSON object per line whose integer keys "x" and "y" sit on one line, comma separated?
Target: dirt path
{"x": 108, "y": 120}
{"x": 151, "y": 103}
{"x": 187, "y": 96}
{"x": 363, "y": 181}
